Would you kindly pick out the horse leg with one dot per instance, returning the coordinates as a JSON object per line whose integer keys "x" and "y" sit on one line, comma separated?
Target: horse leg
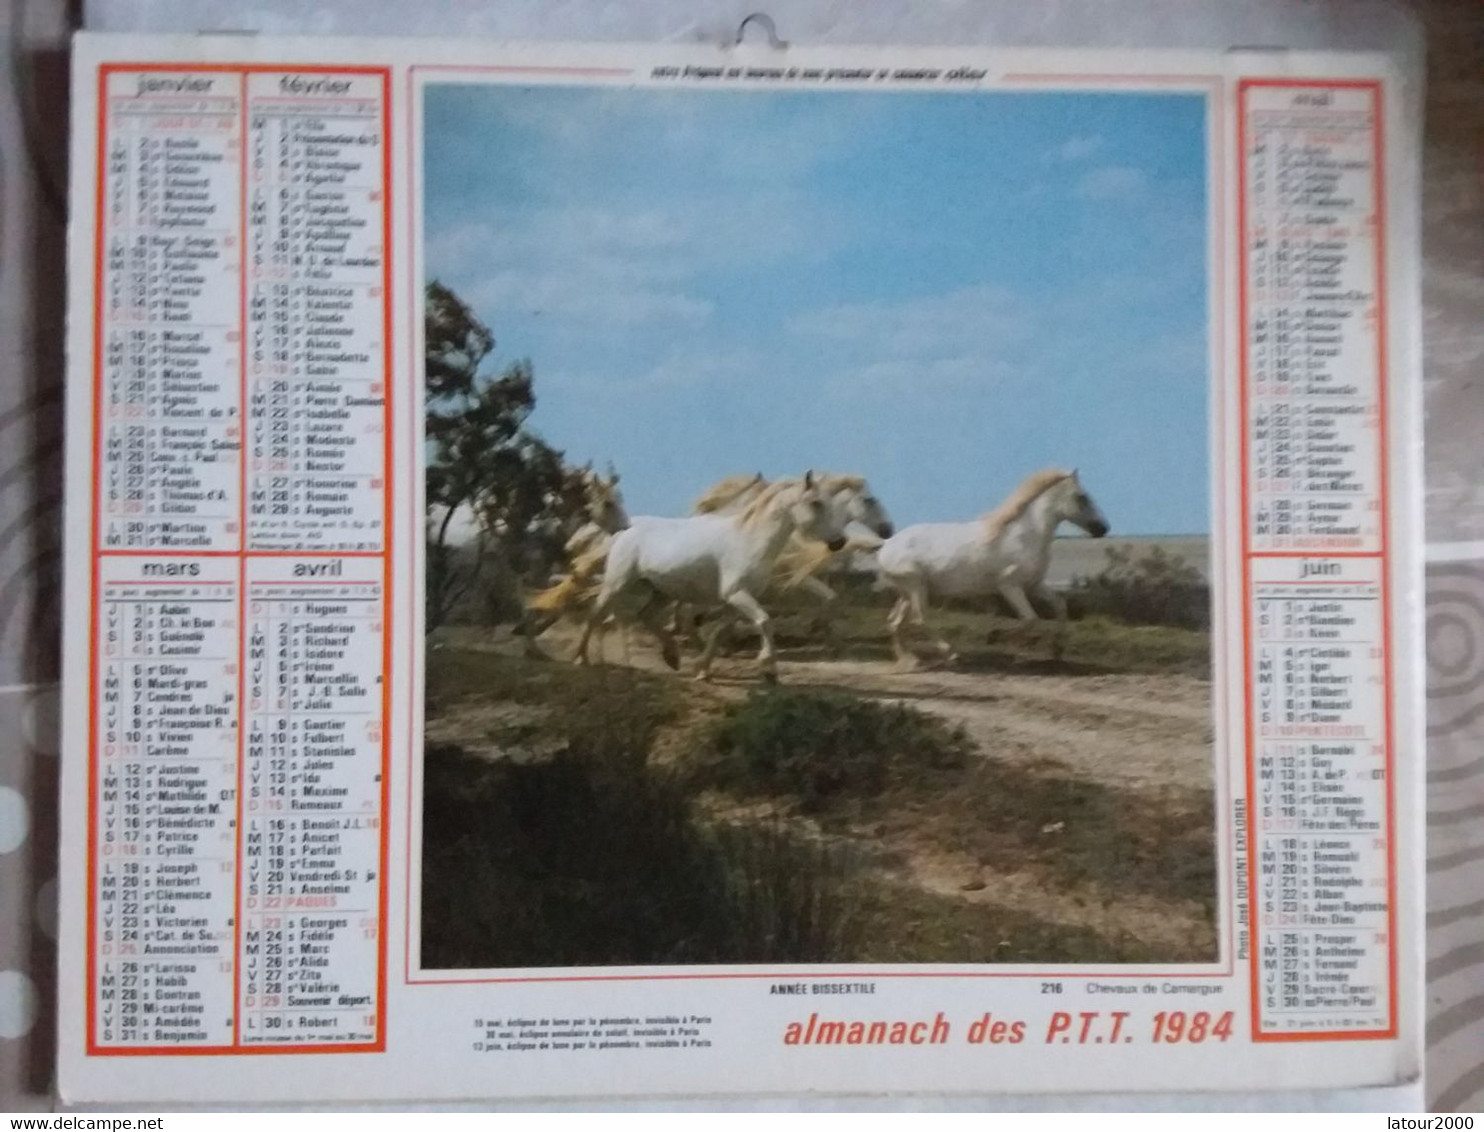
{"x": 917, "y": 600}
{"x": 709, "y": 638}
{"x": 894, "y": 622}
{"x": 1058, "y": 605}
{"x": 1020, "y": 603}
{"x": 526, "y": 625}
{"x": 824, "y": 620}
{"x": 650, "y": 615}
{"x": 748, "y": 606}
{"x": 594, "y": 621}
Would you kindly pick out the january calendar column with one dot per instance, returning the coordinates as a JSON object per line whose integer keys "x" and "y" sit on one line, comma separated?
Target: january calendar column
{"x": 1316, "y": 559}
{"x": 170, "y": 312}
{"x": 317, "y": 560}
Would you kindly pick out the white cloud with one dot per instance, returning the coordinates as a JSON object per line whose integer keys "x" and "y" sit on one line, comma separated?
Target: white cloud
{"x": 928, "y": 325}
{"x": 683, "y": 368}
{"x": 962, "y": 337}
{"x": 1112, "y": 182}
{"x": 1080, "y": 148}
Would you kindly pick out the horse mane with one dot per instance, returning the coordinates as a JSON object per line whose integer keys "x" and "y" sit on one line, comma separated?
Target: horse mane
{"x": 1015, "y": 504}
{"x": 764, "y": 503}
{"x": 832, "y": 483}
{"x": 724, "y": 492}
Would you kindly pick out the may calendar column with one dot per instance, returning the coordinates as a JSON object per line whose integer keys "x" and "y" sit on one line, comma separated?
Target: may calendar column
{"x": 1315, "y": 559}
{"x": 241, "y": 561}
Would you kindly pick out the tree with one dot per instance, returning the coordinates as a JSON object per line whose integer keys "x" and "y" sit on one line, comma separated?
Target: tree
{"x": 482, "y": 461}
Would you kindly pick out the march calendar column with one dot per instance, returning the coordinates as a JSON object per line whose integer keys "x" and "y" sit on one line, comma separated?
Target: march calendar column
{"x": 165, "y": 803}
{"x": 1315, "y": 548}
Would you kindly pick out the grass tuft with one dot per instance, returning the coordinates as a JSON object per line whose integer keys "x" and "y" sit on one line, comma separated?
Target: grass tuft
{"x": 822, "y": 746}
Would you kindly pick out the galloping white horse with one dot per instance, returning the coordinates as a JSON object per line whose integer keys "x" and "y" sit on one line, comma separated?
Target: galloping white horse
{"x": 545, "y": 542}
{"x": 866, "y": 524}
{"x": 1005, "y": 551}
{"x": 713, "y": 560}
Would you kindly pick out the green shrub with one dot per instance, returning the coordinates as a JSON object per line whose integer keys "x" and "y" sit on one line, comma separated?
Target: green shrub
{"x": 1156, "y": 589}
{"x": 823, "y": 745}
{"x": 594, "y": 857}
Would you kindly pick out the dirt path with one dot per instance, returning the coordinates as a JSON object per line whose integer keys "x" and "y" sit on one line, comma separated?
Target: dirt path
{"x": 1138, "y": 730}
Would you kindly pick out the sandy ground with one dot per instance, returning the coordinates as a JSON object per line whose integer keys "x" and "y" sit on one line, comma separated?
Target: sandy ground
{"x": 1138, "y": 733}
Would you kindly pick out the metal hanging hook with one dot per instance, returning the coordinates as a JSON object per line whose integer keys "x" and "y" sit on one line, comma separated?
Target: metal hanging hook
{"x": 764, "y": 21}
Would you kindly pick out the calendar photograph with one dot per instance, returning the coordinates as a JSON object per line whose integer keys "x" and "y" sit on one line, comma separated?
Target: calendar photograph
{"x": 817, "y": 549}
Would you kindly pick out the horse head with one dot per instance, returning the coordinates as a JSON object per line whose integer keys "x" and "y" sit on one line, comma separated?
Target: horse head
{"x": 1075, "y": 506}
{"x": 857, "y": 506}
{"x": 815, "y": 515}
{"x": 605, "y": 506}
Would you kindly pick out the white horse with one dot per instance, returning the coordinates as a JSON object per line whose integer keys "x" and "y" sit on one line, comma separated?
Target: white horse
{"x": 801, "y": 564}
{"x": 1006, "y": 551}
{"x": 713, "y": 561}
{"x": 602, "y": 512}
{"x": 545, "y": 544}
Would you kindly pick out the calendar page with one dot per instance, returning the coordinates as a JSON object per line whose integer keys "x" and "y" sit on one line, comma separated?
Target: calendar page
{"x": 748, "y": 569}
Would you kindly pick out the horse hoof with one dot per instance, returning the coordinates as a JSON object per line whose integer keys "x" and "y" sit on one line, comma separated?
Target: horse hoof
{"x": 702, "y": 677}
{"x": 770, "y": 677}
{"x": 671, "y": 655}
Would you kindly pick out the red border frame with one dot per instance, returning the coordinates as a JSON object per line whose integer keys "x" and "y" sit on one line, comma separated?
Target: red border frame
{"x": 1216, "y": 197}
{"x": 242, "y": 554}
{"x": 1382, "y": 555}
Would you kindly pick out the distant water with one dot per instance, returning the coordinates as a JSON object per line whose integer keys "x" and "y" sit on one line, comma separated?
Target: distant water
{"x": 1078, "y": 556}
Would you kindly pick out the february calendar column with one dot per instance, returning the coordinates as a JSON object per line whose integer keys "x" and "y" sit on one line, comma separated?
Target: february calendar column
{"x": 1316, "y": 563}
{"x": 317, "y": 322}
{"x": 317, "y": 559}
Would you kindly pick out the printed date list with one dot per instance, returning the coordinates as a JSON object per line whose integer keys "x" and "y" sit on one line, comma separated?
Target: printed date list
{"x": 240, "y": 612}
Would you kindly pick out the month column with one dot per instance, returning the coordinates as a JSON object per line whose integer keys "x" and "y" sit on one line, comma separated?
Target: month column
{"x": 166, "y": 531}
{"x": 317, "y": 562}
{"x": 1314, "y": 401}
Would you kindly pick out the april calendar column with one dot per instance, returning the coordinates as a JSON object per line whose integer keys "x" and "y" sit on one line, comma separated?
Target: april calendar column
{"x": 317, "y": 560}
{"x": 1315, "y": 545}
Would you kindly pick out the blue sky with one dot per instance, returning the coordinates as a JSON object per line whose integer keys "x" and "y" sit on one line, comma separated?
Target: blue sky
{"x": 944, "y": 292}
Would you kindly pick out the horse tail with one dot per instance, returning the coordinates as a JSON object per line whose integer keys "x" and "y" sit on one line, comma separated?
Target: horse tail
{"x": 576, "y": 589}
{"x": 798, "y": 563}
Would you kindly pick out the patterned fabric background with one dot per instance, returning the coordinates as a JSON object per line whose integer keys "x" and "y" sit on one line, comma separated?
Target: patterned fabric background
{"x": 32, "y": 179}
